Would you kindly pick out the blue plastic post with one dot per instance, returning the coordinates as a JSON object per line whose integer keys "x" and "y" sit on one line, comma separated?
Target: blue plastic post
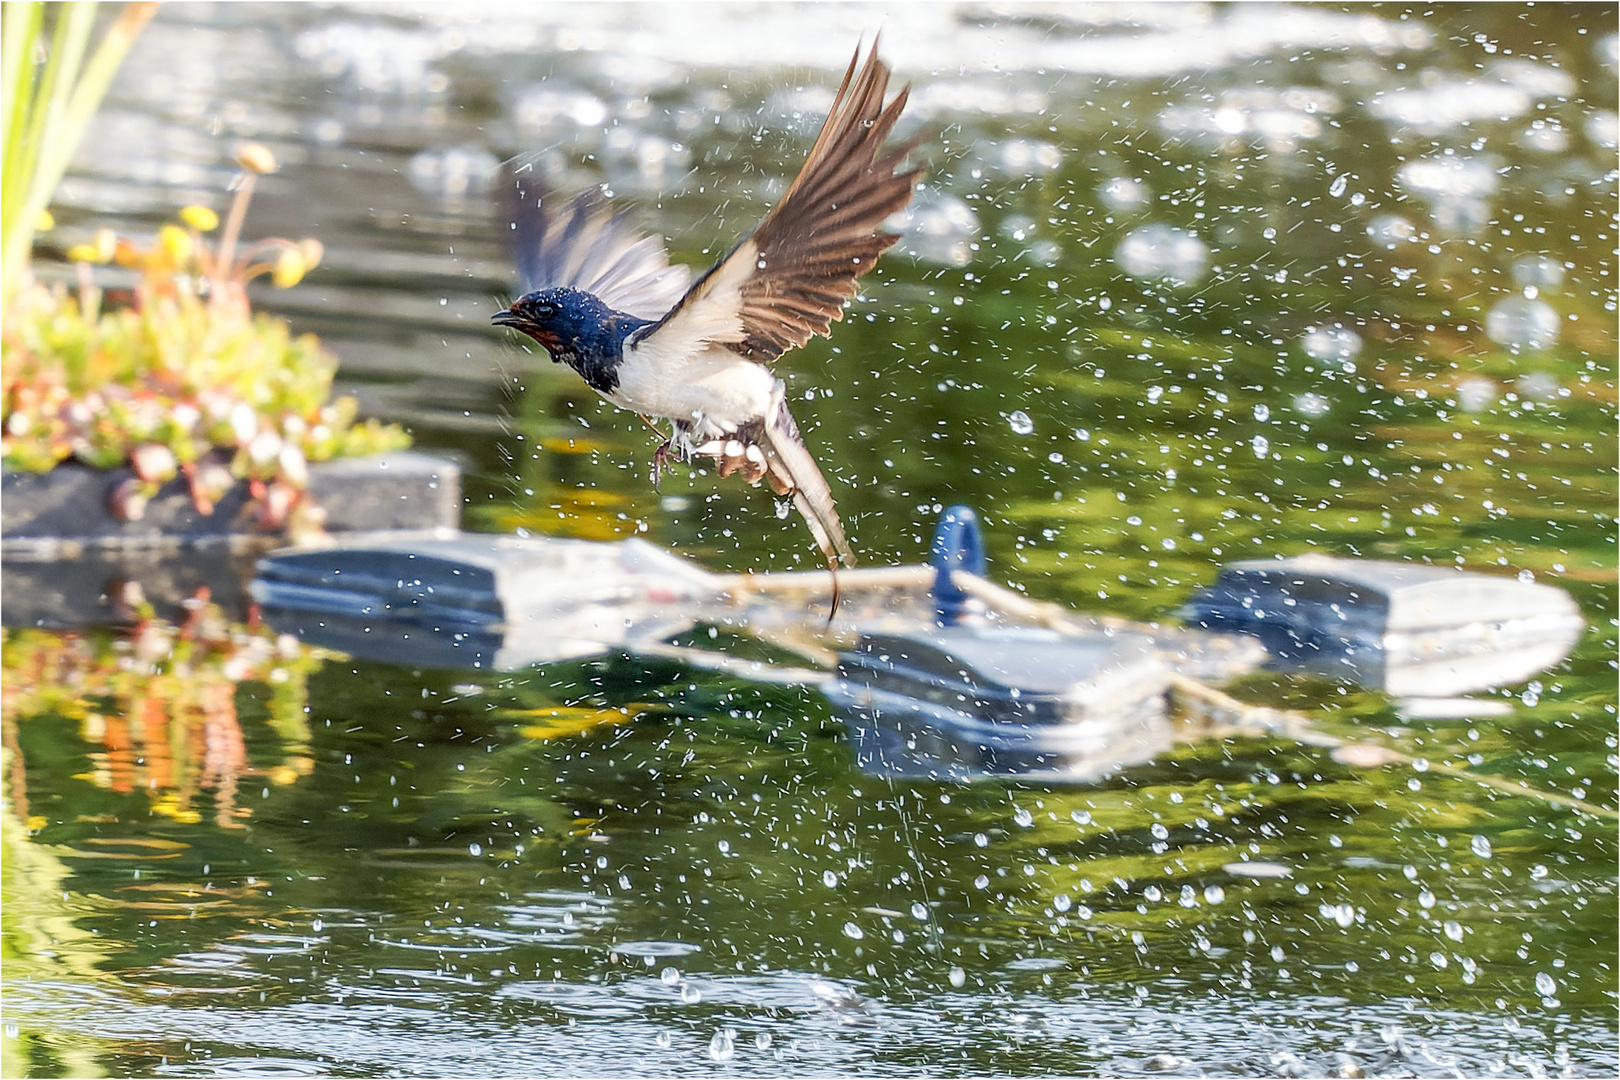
{"x": 957, "y": 546}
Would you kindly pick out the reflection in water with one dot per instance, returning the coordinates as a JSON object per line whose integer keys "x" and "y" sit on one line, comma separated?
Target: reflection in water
{"x": 156, "y": 709}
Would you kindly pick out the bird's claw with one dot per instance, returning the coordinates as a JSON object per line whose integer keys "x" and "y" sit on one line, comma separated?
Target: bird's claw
{"x": 661, "y": 460}
{"x": 734, "y": 455}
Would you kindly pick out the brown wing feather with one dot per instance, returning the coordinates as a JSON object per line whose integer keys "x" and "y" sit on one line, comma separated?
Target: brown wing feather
{"x": 825, "y": 233}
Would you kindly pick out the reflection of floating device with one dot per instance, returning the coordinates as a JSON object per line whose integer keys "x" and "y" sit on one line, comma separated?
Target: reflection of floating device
{"x": 1405, "y": 628}
{"x": 956, "y": 702}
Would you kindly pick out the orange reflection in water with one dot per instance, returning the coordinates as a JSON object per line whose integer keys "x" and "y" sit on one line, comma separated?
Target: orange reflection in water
{"x": 157, "y": 705}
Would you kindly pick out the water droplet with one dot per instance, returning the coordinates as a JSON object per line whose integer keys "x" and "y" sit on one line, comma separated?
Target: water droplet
{"x": 1603, "y": 128}
{"x": 1546, "y": 985}
{"x": 1124, "y": 193}
{"x": 1337, "y": 188}
{"x": 829, "y": 878}
{"x": 1480, "y": 846}
{"x": 1451, "y": 179}
{"x": 1426, "y": 899}
{"x": 853, "y": 932}
{"x": 1260, "y": 445}
{"x": 1538, "y": 385}
{"x": 981, "y": 882}
{"x": 1080, "y": 817}
{"x": 669, "y": 976}
{"x": 1476, "y": 394}
{"x": 475, "y": 850}
{"x": 959, "y": 977}
{"x": 1312, "y": 404}
{"x": 1537, "y": 271}
{"x": 1214, "y": 894}
{"x": 940, "y": 228}
{"x": 691, "y": 994}
{"x": 317, "y": 926}
{"x": 1020, "y": 422}
{"x": 1163, "y": 252}
{"x": 1521, "y": 323}
{"x": 1023, "y": 817}
{"x": 1062, "y": 902}
{"x": 919, "y": 911}
{"x": 1453, "y": 929}
{"x": 762, "y": 1040}
{"x": 1390, "y": 230}
{"x": 723, "y": 1046}
{"x": 1334, "y": 343}
{"x": 1262, "y": 413}
{"x": 1159, "y": 831}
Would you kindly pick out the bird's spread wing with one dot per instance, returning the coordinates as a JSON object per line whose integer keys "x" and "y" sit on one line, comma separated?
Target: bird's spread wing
{"x": 583, "y": 243}
{"x": 789, "y": 279}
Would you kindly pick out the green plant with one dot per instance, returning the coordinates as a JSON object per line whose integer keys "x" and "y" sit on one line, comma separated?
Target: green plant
{"x": 45, "y": 108}
{"x": 187, "y": 379}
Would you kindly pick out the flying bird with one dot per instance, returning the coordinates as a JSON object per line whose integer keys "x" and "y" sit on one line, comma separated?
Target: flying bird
{"x": 605, "y": 300}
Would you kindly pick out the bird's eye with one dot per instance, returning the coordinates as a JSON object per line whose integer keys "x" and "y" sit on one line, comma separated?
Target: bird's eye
{"x": 545, "y": 310}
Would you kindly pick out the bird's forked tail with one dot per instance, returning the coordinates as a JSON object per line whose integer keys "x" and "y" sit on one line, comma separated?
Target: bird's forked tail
{"x": 792, "y": 471}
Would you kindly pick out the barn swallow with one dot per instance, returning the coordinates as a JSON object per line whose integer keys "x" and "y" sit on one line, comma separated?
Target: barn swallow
{"x": 605, "y": 300}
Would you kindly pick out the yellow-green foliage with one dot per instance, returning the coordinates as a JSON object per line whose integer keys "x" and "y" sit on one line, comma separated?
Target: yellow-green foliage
{"x": 176, "y": 372}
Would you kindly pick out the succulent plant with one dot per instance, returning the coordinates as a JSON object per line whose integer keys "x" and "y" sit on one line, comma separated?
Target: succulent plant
{"x": 187, "y": 380}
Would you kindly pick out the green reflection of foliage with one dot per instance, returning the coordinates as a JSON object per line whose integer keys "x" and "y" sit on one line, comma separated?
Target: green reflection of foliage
{"x": 41, "y": 939}
{"x": 105, "y": 731}
{"x": 157, "y": 708}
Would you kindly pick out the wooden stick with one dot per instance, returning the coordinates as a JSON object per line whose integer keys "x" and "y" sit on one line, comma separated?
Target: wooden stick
{"x": 816, "y": 581}
{"x": 1042, "y": 612}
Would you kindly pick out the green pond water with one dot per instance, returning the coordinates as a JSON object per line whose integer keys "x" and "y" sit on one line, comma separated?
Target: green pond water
{"x": 1185, "y": 285}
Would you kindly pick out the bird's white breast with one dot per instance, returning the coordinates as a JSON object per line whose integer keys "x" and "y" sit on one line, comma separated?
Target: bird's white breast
{"x": 710, "y": 388}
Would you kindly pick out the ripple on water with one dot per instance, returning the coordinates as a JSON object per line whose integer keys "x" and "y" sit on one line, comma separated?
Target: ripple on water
{"x": 584, "y": 999}
{"x": 656, "y": 948}
{"x": 1258, "y": 869}
{"x": 247, "y": 1067}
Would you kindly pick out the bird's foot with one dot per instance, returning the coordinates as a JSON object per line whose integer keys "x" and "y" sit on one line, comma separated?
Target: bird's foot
{"x": 733, "y": 455}
{"x": 661, "y": 460}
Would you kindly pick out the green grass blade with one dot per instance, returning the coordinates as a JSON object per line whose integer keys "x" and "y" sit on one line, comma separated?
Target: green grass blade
{"x": 97, "y": 77}
{"x": 72, "y": 36}
{"x": 57, "y": 116}
{"x": 23, "y": 24}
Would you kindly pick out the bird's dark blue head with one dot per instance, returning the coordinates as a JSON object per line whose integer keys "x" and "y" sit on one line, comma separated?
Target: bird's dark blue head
{"x": 576, "y": 328}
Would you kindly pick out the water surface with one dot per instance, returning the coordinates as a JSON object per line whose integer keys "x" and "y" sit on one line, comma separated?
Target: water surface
{"x": 1185, "y": 285}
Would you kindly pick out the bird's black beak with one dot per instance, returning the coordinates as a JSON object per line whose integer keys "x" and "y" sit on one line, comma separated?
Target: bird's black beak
{"x": 506, "y": 317}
